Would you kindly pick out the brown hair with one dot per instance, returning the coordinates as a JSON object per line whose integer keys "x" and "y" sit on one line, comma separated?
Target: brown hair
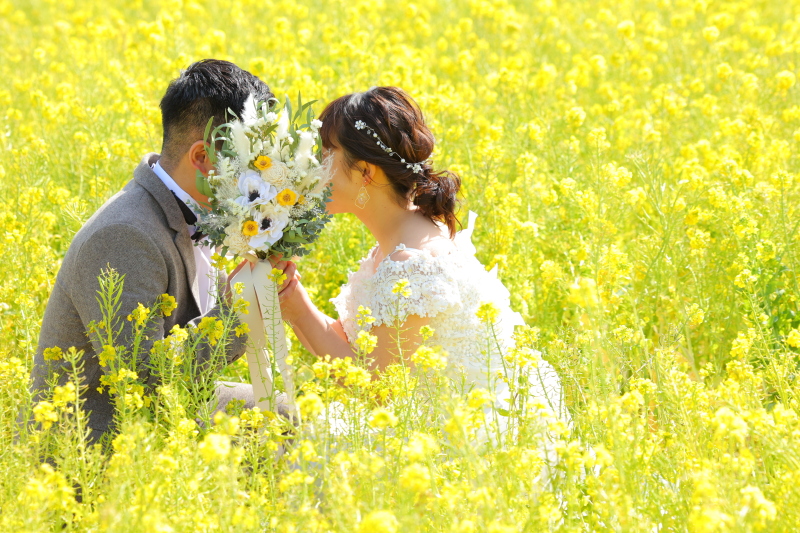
{"x": 399, "y": 124}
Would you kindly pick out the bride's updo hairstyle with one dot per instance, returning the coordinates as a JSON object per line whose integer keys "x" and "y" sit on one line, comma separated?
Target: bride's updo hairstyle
{"x": 351, "y": 122}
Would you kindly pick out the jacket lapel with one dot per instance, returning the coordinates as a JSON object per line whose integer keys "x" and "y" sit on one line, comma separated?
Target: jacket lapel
{"x": 144, "y": 176}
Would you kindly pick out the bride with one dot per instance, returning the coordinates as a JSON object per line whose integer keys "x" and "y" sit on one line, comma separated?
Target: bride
{"x": 378, "y": 147}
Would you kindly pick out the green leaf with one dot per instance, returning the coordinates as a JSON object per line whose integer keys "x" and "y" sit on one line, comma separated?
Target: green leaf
{"x": 209, "y": 147}
{"x": 288, "y": 107}
{"x": 299, "y": 105}
{"x": 202, "y": 184}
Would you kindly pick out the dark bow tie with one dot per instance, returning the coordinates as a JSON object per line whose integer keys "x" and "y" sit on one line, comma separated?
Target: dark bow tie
{"x": 189, "y": 217}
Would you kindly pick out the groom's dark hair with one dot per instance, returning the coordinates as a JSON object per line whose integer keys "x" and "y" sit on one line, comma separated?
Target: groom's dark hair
{"x": 208, "y": 88}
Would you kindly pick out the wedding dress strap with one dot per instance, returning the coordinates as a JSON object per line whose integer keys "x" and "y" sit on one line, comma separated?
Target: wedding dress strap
{"x": 403, "y": 248}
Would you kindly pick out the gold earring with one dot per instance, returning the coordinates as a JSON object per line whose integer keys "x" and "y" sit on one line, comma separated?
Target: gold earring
{"x": 363, "y": 197}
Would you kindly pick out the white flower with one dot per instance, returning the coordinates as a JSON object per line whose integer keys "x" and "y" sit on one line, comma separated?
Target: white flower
{"x": 276, "y": 175}
{"x": 271, "y": 117}
{"x": 316, "y": 124}
{"x": 304, "y": 147}
{"x": 249, "y": 115}
{"x": 254, "y": 190}
{"x": 241, "y": 142}
{"x": 224, "y": 168}
{"x": 283, "y": 126}
{"x": 235, "y": 240}
{"x": 312, "y": 180}
{"x": 271, "y": 223}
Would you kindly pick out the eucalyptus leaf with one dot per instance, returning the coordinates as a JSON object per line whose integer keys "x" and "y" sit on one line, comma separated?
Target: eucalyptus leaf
{"x": 202, "y": 184}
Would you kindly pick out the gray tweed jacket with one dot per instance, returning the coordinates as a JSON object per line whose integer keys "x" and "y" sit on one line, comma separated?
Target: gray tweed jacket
{"x": 141, "y": 233}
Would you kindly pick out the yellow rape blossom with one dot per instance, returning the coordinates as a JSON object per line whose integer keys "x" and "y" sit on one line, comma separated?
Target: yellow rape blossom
{"x": 379, "y": 522}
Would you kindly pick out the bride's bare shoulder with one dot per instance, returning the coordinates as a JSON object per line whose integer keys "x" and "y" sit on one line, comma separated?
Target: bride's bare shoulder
{"x": 430, "y": 238}
{"x": 432, "y": 248}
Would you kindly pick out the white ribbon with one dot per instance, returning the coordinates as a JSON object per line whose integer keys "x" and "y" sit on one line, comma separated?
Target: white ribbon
{"x": 266, "y": 329}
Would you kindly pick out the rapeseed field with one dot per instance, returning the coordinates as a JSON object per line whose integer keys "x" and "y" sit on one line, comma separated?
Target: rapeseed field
{"x": 633, "y": 166}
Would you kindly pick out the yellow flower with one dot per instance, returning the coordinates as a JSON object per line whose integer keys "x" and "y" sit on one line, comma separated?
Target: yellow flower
{"x": 64, "y": 395}
{"x": 724, "y": 71}
{"x": 626, "y": 29}
{"x": 696, "y": 315}
{"x": 277, "y": 275}
{"x": 745, "y": 279}
{"x": 415, "y": 477}
{"x": 382, "y": 419}
{"x": 262, "y": 162}
{"x": 53, "y": 354}
{"x": 357, "y": 377}
{"x": 426, "y": 332}
{"x": 168, "y": 304}
{"x": 420, "y": 447}
{"x": 139, "y": 314}
{"x": 45, "y": 414}
{"x": 576, "y": 116}
{"x": 785, "y": 80}
{"x": 108, "y": 354}
{"x": 310, "y": 405}
{"x": 241, "y": 329}
{"x": 287, "y": 197}
{"x": 250, "y": 228}
{"x": 379, "y": 522}
{"x": 793, "y": 339}
{"x": 488, "y": 313}
{"x": 478, "y": 397}
{"x": 711, "y": 33}
{"x": 583, "y": 292}
{"x": 212, "y": 328}
{"x": 364, "y": 316}
{"x": 366, "y": 342}
{"x": 429, "y": 358}
{"x": 401, "y": 288}
{"x": 215, "y": 447}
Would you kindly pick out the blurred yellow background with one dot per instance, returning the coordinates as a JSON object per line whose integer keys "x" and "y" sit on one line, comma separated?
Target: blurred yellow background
{"x": 634, "y": 167}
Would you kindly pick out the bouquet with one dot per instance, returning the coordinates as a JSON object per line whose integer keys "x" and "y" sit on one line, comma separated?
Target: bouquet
{"x": 267, "y": 196}
{"x": 268, "y": 190}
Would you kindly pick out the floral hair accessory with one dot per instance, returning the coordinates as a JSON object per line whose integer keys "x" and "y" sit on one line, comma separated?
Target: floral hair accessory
{"x": 361, "y": 125}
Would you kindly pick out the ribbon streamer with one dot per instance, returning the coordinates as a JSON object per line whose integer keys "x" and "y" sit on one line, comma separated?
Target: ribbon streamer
{"x": 266, "y": 329}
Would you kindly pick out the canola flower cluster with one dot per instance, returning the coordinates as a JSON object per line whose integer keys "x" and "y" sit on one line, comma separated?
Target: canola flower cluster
{"x": 634, "y": 167}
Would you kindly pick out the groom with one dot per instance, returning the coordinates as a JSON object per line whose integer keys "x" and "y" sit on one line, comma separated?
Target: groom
{"x": 146, "y": 232}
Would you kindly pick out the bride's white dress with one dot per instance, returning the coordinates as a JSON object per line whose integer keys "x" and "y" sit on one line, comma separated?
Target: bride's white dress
{"x": 448, "y": 289}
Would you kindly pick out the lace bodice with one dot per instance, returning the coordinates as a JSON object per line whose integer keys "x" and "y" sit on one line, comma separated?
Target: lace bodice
{"x": 447, "y": 289}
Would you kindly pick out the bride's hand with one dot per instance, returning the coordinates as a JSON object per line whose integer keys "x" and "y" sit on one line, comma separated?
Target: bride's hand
{"x": 290, "y": 292}
{"x": 292, "y": 278}
{"x": 227, "y": 291}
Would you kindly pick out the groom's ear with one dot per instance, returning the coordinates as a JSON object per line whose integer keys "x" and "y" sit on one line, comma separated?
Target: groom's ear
{"x": 199, "y": 158}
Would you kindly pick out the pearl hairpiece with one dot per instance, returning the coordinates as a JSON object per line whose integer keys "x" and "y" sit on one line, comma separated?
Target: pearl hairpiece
{"x": 361, "y": 125}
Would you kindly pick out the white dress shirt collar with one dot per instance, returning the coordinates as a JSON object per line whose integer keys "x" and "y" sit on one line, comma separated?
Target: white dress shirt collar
{"x": 172, "y": 185}
{"x": 206, "y": 273}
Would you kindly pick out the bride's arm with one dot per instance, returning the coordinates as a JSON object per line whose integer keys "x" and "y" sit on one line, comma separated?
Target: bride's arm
{"x": 322, "y": 335}
{"x": 319, "y": 333}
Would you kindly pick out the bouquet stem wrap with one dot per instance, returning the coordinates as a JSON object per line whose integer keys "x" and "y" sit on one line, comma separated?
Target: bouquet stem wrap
{"x": 266, "y": 329}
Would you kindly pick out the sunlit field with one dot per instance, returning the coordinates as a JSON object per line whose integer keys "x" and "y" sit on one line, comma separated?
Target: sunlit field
{"x": 633, "y": 165}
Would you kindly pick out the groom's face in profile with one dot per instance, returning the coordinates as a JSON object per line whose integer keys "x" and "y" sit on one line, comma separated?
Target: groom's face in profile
{"x": 205, "y": 90}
